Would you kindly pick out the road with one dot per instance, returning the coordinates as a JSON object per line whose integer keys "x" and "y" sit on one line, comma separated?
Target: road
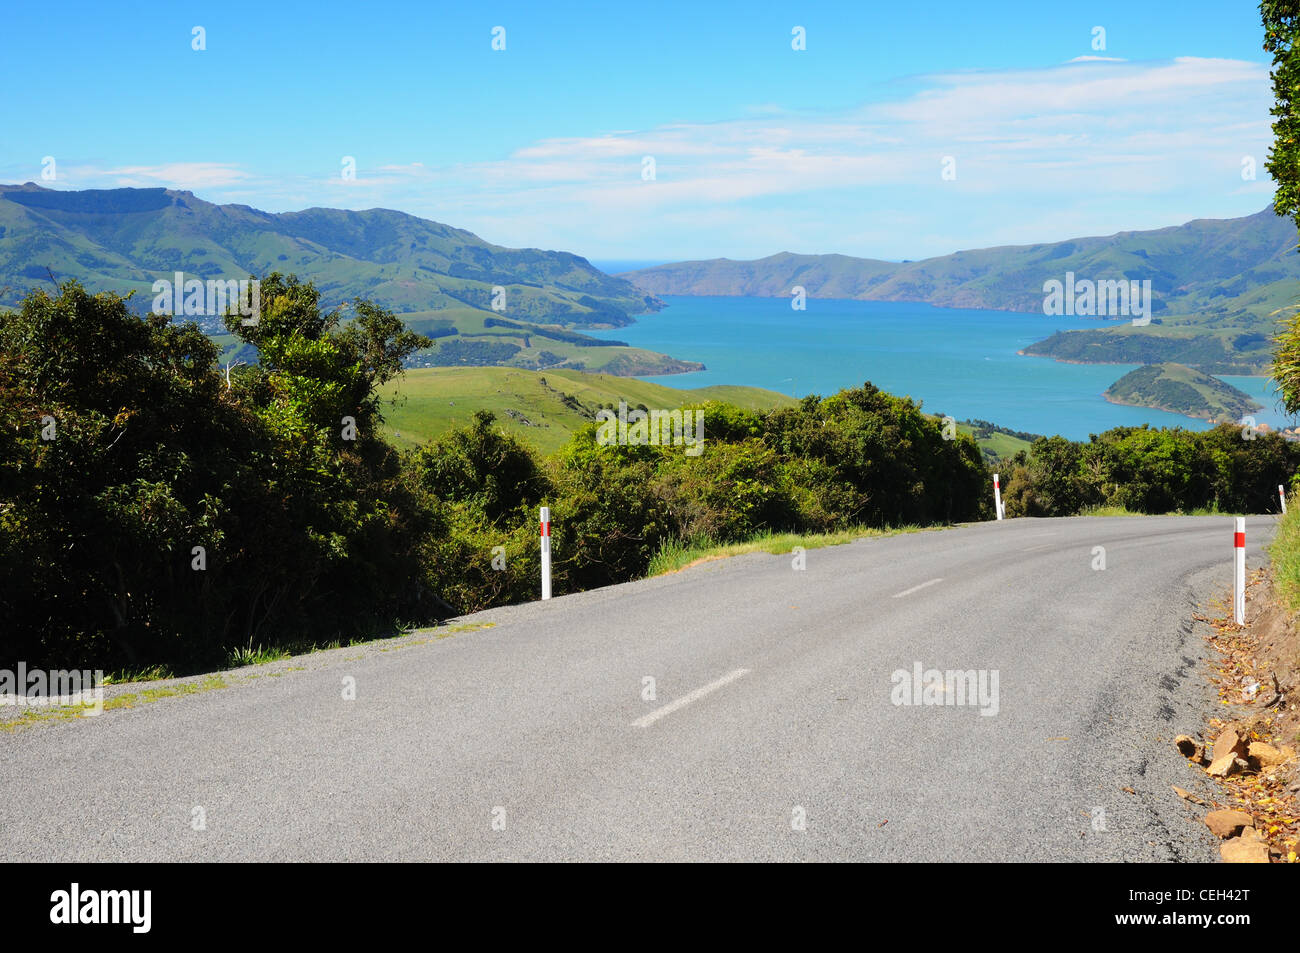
{"x": 772, "y": 731}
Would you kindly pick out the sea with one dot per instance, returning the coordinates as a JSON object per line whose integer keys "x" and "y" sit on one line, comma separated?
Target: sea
{"x": 953, "y": 361}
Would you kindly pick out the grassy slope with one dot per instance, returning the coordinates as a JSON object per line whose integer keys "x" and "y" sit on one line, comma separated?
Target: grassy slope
{"x": 998, "y": 445}
{"x": 434, "y": 400}
{"x": 431, "y": 401}
{"x": 1284, "y": 551}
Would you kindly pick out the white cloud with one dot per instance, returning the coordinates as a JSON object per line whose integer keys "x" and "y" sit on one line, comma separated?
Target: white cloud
{"x": 191, "y": 176}
{"x": 1091, "y": 146}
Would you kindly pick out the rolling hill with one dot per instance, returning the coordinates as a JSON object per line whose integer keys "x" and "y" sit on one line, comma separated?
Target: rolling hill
{"x": 543, "y": 408}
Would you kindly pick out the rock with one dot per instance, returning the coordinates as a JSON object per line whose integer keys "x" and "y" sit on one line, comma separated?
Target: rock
{"x": 1251, "y": 833}
{"x": 1221, "y": 768}
{"x": 1238, "y": 850}
{"x": 1232, "y": 740}
{"x": 1230, "y": 745}
{"x": 1225, "y": 823}
{"x": 1266, "y": 756}
{"x": 1190, "y": 748}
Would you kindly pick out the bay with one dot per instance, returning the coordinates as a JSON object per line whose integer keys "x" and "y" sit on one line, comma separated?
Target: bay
{"x": 954, "y": 361}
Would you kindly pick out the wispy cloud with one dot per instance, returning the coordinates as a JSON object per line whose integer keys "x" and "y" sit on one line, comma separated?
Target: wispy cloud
{"x": 1093, "y": 145}
{"x": 191, "y": 176}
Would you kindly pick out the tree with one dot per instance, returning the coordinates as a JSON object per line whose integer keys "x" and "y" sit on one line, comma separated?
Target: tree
{"x": 150, "y": 513}
{"x": 1281, "y": 19}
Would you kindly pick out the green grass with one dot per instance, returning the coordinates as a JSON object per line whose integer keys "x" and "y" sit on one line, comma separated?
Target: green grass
{"x": 998, "y": 445}
{"x": 1284, "y": 551}
{"x": 1105, "y": 510}
{"x": 1003, "y": 445}
{"x": 36, "y": 716}
{"x": 675, "y": 555}
{"x": 531, "y": 405}
{"x": 131, "y": 699}
{"x": 249, "y": 655}
{"x": 153, "y": 673}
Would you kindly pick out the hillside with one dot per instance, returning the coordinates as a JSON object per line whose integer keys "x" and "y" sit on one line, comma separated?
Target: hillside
{"x": 438, "y": 278}
{"x": 543, "y": 408}
{"x": 124, "y": 239}
{"x": 1181, "y": 390}
{"x": 1216, "y": 284}
{"x": 995, "y": 442}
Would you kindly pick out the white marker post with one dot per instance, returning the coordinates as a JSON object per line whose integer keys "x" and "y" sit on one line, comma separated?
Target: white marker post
{"x": 997, "y": 496}
{"x": 1239, "y": 572}
{"x": 546, "y": 552}
{"x": 1281, "y": 495}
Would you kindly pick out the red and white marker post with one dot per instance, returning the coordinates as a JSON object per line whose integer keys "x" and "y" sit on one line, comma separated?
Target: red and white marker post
{"x": 1281, "y": 495}
{"x": 1239, "y": 572}
{"x": 997, "y": 496}
{"x": 546, "y": 552}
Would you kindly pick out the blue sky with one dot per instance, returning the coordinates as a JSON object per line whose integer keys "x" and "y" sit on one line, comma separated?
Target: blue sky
{"x": 757, "y": 148}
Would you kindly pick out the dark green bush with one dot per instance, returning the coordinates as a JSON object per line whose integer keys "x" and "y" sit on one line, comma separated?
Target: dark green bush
{"x": 1152, "y": 471}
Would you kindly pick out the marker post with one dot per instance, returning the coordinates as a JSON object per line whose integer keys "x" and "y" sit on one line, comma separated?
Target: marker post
{"x": 1239, "y": 572}
{"x": 546, "y": 551}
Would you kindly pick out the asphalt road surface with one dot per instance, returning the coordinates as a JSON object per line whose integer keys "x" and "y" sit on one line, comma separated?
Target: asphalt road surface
{"x": 774, "y": 727}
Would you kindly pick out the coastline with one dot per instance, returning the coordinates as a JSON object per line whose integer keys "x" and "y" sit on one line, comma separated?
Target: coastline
{"x": 1171, "y": 410}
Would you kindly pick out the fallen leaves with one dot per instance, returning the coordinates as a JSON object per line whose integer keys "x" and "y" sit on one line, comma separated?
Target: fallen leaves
{"x": 1249, "y": 762}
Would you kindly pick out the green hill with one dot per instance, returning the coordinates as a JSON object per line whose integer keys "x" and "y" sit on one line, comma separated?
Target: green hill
{"x": 438, "y": 278}
{"x": 124, "y": 239}
{"x": 1216, "y": 285}
{"x": 541, "y": 407}
{"x": 545, "y": 407}
{"x": 1181, "y": 390}
{"x": 995, "y": 442}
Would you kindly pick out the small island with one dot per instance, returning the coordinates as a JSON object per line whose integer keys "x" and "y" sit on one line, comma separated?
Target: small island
{"x": 1182, "y": 390}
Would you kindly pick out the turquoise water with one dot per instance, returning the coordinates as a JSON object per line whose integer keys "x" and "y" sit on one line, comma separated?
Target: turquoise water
{"x": 957, "y": 362}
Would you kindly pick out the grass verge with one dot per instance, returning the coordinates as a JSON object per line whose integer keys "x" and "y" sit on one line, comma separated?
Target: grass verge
{"x": 1284, "y": 551}
{"x": 676, "y": 555}
{"x": 1105, "y": 510}
{"x": 252, "y": 659}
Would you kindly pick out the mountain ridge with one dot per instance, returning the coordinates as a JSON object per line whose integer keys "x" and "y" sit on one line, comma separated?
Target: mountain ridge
{"x": 1217, "y": 286}
{"x": 1051, "y": 260}
{"x": 124, "y": 239}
